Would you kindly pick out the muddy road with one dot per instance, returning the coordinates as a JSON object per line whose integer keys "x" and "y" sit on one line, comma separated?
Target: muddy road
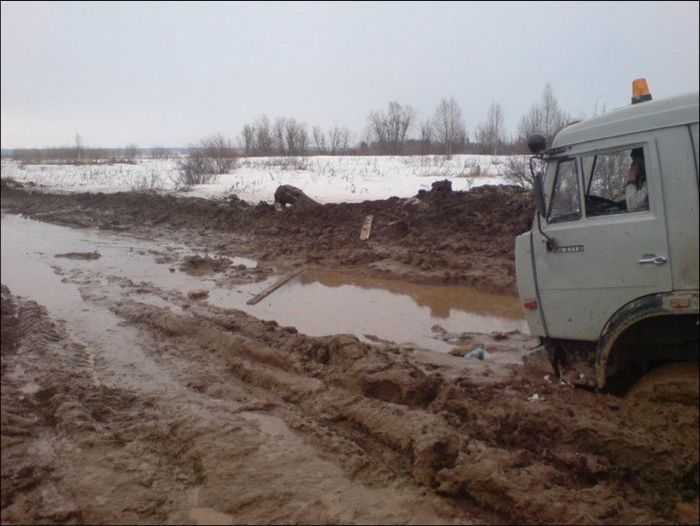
{"x": 139, "y": 387}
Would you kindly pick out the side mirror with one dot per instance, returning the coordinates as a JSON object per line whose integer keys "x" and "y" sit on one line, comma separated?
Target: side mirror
{"x": 538, "y": 188}
{"x": 536, "y": 143}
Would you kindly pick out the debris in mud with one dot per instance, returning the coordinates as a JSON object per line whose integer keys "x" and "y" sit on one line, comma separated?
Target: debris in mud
{"x": 366, "y": 230}
{"x": 473, "y": 350}
{"x": 269, "y": 290}
{"x": 451, "y": 337}
{"x": 287, "y": 194}
{"x": 442, "y": 187}
{"x": 438, "y": 329}
{"x": 198, "y": 265}
{"x": 377, "y": 339}
{"x": 7, "y": 183}
{"x": 80, "y": 255}
{"x": 498, "y": 336}
{"x": 198, "y": 294}
{"x": 479, "y": 353}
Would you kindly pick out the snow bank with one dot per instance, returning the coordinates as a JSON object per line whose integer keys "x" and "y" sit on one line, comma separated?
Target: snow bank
{"x": 325, "y": 179}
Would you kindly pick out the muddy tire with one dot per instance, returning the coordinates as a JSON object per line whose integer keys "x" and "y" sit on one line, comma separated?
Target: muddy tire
{"x": 673, "y": 382}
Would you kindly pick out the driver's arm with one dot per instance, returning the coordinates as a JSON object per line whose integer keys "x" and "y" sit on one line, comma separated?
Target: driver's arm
{"x": 637, "y": 198}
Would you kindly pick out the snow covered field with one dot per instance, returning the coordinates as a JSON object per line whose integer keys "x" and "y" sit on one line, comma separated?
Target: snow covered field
{"x": 325, "y": 179}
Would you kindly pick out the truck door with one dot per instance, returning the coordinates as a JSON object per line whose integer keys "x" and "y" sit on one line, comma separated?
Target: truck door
{"x": 599, "y": 255}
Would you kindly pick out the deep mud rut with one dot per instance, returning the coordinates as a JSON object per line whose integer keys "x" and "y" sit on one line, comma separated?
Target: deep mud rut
{"x": 131, "y": 402}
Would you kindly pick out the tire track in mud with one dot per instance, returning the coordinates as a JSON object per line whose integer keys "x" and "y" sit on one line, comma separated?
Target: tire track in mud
{"x": 367, "y": 402}
{"x": 81, "y": 453}
{"x": 57, "y": 426}
{"x": 579, "y": 458}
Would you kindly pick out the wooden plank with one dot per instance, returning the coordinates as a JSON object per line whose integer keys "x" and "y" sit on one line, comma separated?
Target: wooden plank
{"x": 366, "y": 228}
{"x": 272, "y": 288}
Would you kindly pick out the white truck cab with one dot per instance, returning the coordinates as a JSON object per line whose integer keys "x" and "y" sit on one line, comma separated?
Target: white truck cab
{"x": 608, "y": 275}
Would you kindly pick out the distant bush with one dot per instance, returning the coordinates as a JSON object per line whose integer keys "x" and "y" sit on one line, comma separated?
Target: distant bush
{"x": 76, "y": 156}
{"x": 213, "y": 156}
{"x": 148, "y": 183}
{"x": 517, "y": 171}
{"x": 286, "y": 163}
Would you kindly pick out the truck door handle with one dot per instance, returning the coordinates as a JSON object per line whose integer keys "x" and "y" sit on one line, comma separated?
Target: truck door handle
{"x": 651, "y": 258}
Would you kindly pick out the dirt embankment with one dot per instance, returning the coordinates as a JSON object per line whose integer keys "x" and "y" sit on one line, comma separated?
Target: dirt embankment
{"x": 255, "y": 422}
{"x": 464, "y": 238}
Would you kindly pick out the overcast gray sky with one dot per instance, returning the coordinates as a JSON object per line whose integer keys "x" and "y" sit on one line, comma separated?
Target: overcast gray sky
{"x": 171, "y": 73}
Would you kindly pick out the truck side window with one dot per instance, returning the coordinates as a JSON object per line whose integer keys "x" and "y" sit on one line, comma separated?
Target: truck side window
{"x": 605, "y": 178}
{"x": 565, "y": 204}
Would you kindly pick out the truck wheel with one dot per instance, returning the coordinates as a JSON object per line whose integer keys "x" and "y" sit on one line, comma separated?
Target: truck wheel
{"x": 674, "y": 382}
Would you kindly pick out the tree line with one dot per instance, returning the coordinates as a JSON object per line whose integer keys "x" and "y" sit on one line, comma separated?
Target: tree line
{"x": 393, "y": 130}
{"x": 81, "y": 154}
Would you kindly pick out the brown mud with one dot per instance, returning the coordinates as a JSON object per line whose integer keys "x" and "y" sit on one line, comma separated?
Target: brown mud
{"x": 192, "y": 413}
{"x": 463, "y": 238}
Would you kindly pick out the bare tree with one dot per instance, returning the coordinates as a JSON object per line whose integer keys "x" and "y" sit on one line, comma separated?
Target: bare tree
{"x": 319, "y": 139}
{"x": 426, "y": 137}
{"x": 489, "y": 134}
{"x": 263, "y": 136}
{"x": 448, "y": 125}
{"x": 248, "y": 135}
{"x": 339, "y": 138}
{"x": 376, "y": 130}
{"x": 295, "y": 136}
{"x": 544, "y": 118}
{"x": 78, "y": 147}
{"x": 389, "y": 129}
{"x": 400, "y": 119}
{"x": 130, "y": 151}
{"x": 278, "y": 136}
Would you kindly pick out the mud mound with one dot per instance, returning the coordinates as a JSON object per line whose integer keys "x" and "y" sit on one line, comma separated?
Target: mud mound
{"x": 198, "y": 265}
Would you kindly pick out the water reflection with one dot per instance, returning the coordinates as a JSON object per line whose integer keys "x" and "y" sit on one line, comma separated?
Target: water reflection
{"x": 442, "y": 300}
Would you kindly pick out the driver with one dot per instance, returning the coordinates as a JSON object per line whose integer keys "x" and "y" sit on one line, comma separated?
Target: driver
{"x": 636, "y": 187}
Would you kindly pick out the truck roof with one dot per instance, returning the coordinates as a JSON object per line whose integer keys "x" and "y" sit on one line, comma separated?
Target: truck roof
{"x": 644, "y": 116}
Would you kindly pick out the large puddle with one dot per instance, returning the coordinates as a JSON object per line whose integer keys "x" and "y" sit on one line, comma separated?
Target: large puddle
{"x": 322, "y": 302}
{"x": 316, "y": 303}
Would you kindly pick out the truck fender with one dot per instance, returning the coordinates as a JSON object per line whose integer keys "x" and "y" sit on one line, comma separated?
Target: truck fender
{"x": 660, "y": 304}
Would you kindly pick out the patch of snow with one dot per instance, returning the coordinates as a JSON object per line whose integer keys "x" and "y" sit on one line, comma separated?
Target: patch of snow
{"x": 327, "y": 179}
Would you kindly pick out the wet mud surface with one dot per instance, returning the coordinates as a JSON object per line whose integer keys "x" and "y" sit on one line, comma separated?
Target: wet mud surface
{"x": 129, "y": 398}
{"x": 463, "y": 238}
